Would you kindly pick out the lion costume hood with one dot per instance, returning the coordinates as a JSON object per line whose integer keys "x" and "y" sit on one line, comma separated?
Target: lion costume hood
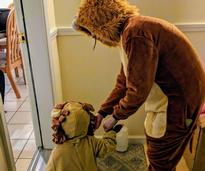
{"x": 104, "y": 19}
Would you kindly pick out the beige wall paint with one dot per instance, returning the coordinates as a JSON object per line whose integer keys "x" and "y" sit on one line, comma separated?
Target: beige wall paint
{"x": 54, "y": 57}
{"x": 65, "y": 10}
{"x": 89, "y": 75}
{"x": 173, "y": 11}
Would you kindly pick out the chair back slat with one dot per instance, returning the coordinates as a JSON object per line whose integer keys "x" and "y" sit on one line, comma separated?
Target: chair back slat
{"x": 13, "y": 52}
{"x": 13, "y": 48}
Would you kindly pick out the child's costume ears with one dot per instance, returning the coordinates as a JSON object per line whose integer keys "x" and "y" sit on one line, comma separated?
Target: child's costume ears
{"x": 88, "y": 107}
{"x": 60, "y": 105}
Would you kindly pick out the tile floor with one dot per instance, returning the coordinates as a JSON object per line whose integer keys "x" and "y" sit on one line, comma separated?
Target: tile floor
{"x": 19, "y": 121}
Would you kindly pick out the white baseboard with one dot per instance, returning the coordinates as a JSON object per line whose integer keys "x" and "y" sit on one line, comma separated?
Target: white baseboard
{"x": 191, "y": 27}
{"x": 133, "y": 139}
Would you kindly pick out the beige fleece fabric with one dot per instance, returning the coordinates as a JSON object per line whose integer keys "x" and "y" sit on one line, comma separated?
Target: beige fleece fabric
{"x": 156, "y": 112}
{"x": 81, "y": 156}
{"x": 80, "y": 151}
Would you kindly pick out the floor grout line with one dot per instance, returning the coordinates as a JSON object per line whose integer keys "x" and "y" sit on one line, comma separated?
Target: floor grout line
{"x": 22, "y": 149}
{"x": 18, "y": 110}
{"x": 30, "y": 135}
{"x": 23, "y": 158}
{"x": 20, "y": 124}
{"x": 21, "y": 139}
{"x": 9, "y": 93}
{"x": 10, "y": 118}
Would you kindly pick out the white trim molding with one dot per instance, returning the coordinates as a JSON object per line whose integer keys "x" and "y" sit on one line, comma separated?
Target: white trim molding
{"x": 132, "y": 139}
{"x": 137, "y": 139}
{"x": 184, "y": 27}
{"x": 67, "y": 31}
{"x": 53, "y": 33}
{"x": 191, "y": 27}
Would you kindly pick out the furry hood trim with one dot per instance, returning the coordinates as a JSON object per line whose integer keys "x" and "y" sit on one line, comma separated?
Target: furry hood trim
{"x": 104, "y": 19}
{"x": 72, "y": 121}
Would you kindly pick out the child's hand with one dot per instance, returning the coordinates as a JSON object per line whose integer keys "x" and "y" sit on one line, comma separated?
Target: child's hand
{"x": 117, "y": 128}
{"x": 98, "y": 121}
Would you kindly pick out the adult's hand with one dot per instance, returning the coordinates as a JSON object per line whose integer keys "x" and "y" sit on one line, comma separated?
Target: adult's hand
{"x": 99, "y": 119}
{"x": 109, "y": 124}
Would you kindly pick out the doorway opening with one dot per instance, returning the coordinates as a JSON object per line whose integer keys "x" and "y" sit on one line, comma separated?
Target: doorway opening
{"x": 18, "y": 113}
{"x": 23, "y": 115}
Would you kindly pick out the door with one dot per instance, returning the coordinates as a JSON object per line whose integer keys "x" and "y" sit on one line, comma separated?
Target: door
{"x": 31, "y": 23}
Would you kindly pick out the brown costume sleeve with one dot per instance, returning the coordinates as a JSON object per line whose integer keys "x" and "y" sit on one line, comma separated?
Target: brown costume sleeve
{"x": 142, "y": 64}
{"x": 117, "y": 93}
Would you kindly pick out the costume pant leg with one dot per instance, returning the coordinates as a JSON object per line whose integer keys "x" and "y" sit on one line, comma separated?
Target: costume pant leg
{"x": 164, "y": 153}
{"x": 2, "y": 85}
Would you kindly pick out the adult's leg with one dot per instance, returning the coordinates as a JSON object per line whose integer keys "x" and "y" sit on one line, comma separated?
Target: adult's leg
{"x": 164, "y": 153}
{"x": 2, "y": 85}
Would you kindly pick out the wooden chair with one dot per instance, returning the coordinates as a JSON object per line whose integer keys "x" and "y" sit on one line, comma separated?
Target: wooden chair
{"x": 12, "y": 58}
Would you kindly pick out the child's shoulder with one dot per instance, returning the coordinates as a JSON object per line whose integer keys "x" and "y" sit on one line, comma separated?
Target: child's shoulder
{"x": 90, "y": 139}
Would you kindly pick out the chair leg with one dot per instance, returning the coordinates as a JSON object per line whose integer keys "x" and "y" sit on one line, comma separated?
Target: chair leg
{"x": 17, "y": 72}
{"x": 24, "y": 76}
{"x": 13, "y": 85}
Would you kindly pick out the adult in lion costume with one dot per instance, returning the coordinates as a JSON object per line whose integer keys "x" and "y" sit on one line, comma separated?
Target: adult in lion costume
{"x": 159, "y": 68}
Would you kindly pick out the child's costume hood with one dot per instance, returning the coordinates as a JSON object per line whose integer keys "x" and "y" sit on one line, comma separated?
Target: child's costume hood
{"x": 71, "y": 121}
{"x": 77, "y": 122}
{"x": 104, "y": 19}
{"x": 79, "y": 153}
